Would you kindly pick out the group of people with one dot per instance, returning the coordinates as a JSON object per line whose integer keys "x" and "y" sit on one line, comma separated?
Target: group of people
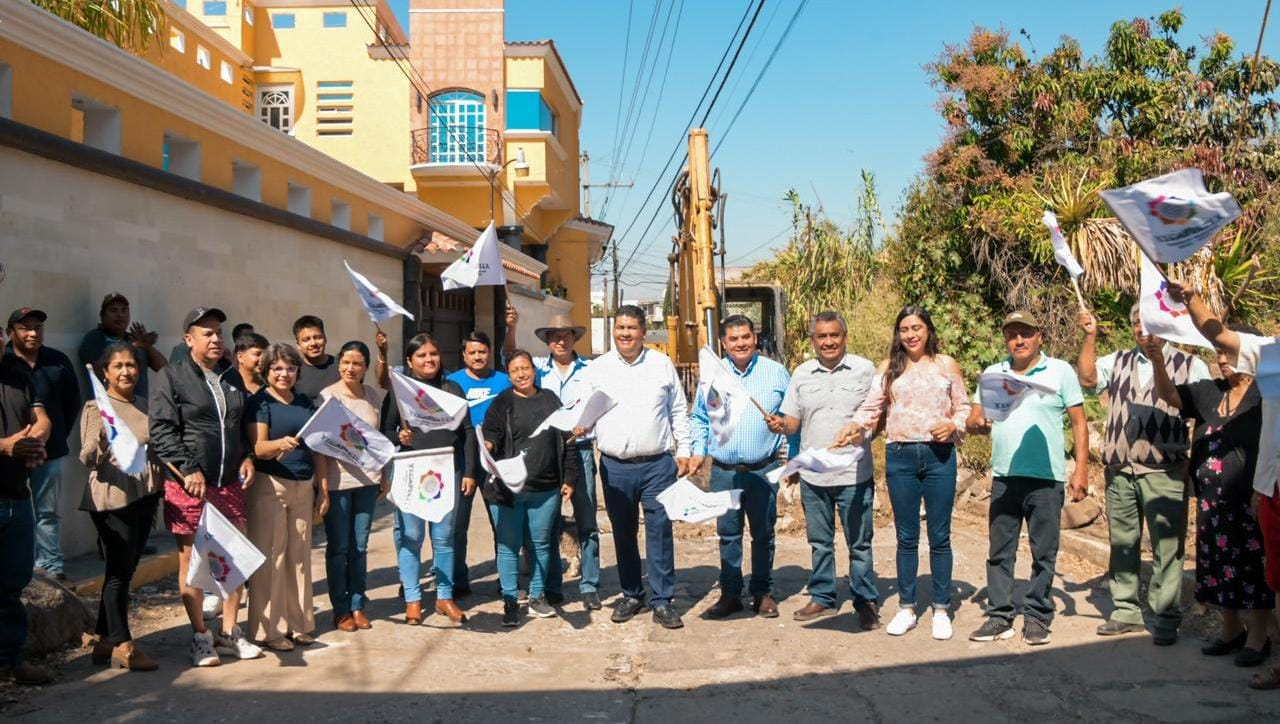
{"x": 222, "y": 428}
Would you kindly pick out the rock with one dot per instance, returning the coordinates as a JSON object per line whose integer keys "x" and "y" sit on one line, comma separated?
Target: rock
{"x": 965, "y": 479}
{"x": 56, "y": 617}
{"x": 1078, "y": 515}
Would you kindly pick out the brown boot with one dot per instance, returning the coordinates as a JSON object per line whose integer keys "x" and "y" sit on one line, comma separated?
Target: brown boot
{"x": 362, "y": 621}
{"x": 813, "y": 610}
{"x": 765, "y": 606}
{"x": 868, "y": 616}
{"x": 446, "y": 607}
{"x": 101, "y": 652}
{"x": 26, "y": 674}
{"x": 412, "y": 613}
{"x": 128, "y": 656}
{"x": 726, "y": 606}
{"x": 344, "y": 623}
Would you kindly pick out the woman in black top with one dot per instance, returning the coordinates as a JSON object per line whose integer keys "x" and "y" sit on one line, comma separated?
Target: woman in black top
{"x": 509, "y": 427}
{"x": 422, "y": 363}
{"x": 288, "y": 490}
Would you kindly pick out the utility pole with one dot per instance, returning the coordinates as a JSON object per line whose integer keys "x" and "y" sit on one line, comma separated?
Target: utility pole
{"x": 616, "y": 290}
{"x": 584, "y": 163}
{"x": 604, "y": 312}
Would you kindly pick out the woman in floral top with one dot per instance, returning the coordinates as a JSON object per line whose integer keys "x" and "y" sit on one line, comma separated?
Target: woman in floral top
{"x": 1224, "y": 451}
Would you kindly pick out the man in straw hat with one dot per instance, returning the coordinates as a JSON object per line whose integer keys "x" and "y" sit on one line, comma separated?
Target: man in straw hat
{"x": 562, "y": 372}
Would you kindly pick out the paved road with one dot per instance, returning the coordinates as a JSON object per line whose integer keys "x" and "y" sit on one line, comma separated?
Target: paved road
{"x": 582, "y": 667}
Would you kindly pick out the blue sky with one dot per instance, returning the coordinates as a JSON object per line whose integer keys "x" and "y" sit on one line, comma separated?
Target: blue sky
{"x": 847, "y": 91}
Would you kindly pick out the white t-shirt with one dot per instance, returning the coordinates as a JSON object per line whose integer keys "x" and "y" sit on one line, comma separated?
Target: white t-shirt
{"x": 1268, "y": 469}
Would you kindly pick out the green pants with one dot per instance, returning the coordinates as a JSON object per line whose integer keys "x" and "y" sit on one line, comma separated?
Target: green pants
{"x": 1161, "y": 499}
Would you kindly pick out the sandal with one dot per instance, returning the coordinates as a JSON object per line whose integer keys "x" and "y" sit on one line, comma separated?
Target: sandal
{"x": 1267, "y": 681}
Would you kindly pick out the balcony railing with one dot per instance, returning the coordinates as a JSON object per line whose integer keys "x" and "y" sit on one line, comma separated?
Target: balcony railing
{"x": 455, "y": 146}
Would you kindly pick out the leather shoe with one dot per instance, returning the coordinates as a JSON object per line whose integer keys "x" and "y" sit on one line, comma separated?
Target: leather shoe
{"x": 868, "y": 615}
{"x": 361, "y": 620}
{"x": 626, "y": 609}
{"x": 725, "y": 607}
{"x": 1115, "y": 628}
{"x": 128, "y": 656}
{"x": 446, "y": 607}
{"x": 1221, "y": 648}
{"x": 1252, "y": 657}
{"x": 344, "y": 623}
{"x": 591, "y": 600}
{"x": 412, "y": 613}
{"x": 1164, "y": 638}
{"x": 668, "y": 617}
{"x": 765, "y": 606}
{"x": 813, "y": 610}
{"x": 102, "y": 652}
{"x": 25, "y": 674}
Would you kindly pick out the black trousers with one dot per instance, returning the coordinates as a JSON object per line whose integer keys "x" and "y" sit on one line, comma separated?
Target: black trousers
{"x": 124, "y": 534}
{"x": 1038, "y": 502}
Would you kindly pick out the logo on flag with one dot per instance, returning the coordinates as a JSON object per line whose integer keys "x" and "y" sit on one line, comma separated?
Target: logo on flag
{"x": 685, "y": 501}
{"x": 1173, "y": 211}
{"x": 218, "y": 567}
{"x": 430, "y": 486}
{"x": 1167, "y": 305}
{"x": 223, "y": 558}
{"x": 481, "y": 265}
{"x": 1160, "y": 314}
{"x": 423, "y": 483}
{"x": 426, "y": 404}
{"x": 378, "y": 304}
{"x": 336, "y": 432}
{"x": 1172, "y": 216}
{"x": 424, "y": 407}
{"x": 352, "y": 438}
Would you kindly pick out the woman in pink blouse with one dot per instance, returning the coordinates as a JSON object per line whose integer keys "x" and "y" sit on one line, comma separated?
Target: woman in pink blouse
{"x": 920, "y": 397}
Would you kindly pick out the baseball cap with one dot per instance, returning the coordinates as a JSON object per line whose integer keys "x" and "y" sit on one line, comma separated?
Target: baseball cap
{"x": 198, "y": 313}
{"x": 112, "y": 298}
{"x": 1020, "y": 317}
{"x": 22, "y": 313}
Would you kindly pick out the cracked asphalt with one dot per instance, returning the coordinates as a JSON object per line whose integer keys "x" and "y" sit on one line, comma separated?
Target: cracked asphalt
{"x": 582, "y": 667}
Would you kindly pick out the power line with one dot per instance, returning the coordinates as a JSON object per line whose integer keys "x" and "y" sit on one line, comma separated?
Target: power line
{"x": 762, "y": 245}
{"x": 626, "y": 52}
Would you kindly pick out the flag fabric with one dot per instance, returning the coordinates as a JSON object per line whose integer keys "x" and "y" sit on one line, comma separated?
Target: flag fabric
{"x": 480, "y": 266}
{"x": 1061, "y": 249}
{"x": 512, "y": 471}
{"x": 1172, "y": 216}
{"x": 423, "y": 483}
{"x": 130, "y": 455}
{"x": 686, "y": 501}
{"x": 818, "y": 460}
{"x": 222, "y": 558}
{"x": 340, "y": 434}
{"x": 725, "y": 397}
{"x": 424, "y": 407}
{"x": 1002, "y": 392}
{"x": 579, "y": 413}
{"x": 377, "y": 303}
{"x": 1160, "y": 314}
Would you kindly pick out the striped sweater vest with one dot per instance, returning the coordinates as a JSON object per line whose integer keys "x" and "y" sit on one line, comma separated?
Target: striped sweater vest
{"x": 1142, "y": 429}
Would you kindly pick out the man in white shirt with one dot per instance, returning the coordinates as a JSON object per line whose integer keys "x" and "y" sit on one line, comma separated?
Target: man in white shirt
{"x": 636, "y": 439}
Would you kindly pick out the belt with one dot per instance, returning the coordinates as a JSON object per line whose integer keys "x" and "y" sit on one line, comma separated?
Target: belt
{"x": 638, "y": 458}
{"x": 745, "y": 467}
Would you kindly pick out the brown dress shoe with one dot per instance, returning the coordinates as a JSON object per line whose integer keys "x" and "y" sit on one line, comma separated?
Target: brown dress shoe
{"x": 412, "y": 613}
{"x": 362, "y": 621}
{"x": 128, "y": 656}
{"x": 868, "y": 616}
{"x": 25, "y": 674}
{"x": 813, "y": 610}
{"x": 102, "y": 652}
{"x": 725, "y": 607}
{"x": 446, "y": 607}
{"x": 765, "y": 606}
{"x": 344, "y": 623}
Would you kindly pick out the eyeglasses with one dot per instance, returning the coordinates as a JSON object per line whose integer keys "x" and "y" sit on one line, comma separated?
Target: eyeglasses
{"x": 291, "y": 370}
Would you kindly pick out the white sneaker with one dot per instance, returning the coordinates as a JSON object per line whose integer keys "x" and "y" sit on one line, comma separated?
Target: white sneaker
{"x": 941, "y": 625}
{"x": 235, "y": 644}
{"x": 202, "y": 651}
{"x": 210, "y": 606}
{"x": 902, "y": 622}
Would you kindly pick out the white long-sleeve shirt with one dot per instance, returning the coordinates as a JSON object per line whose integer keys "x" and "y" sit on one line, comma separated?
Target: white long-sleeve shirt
{"x": 651, "y": 413}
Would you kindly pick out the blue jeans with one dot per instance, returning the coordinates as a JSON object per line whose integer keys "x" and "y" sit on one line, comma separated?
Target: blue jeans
{"x": 410, "y": 533}
{"x": 461, "y": 529}
{"x": 760, "y": 510}
{"x": 853, "y": 504}
{"x": 534, "y": 513}
{"x": 627, "y": 487}
{"x": 346, "y": 531}
{"x": 17, "y": 551}
{"x": 916, "y": 471}
{"x": 584, "y": 502}
{"x": 46, "y": 487}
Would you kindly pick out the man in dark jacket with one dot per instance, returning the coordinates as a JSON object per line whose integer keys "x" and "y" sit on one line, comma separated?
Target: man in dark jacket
{"x": 197, "y": 433}
{"x": 115, "y": 325}
{"x": 61, "y": 386}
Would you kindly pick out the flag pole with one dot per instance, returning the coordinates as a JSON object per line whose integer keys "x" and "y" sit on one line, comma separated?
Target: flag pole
{"x": 1075, "y": 284}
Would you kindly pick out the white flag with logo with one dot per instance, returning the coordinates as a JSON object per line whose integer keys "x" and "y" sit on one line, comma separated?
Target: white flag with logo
{"x": 480, "y": 266}
{"x": 818, "y": 460}
{"x": 1172, "y": 216}
{"x": 129, "y": 454}
{"x": 580, "y": 413}
{"x": 424, "y": 407}
{"x": 1160, "y": 314}
{"x": 723, "y": 394}
{"x": 686, "y": 501}
{"x": 1061, "y": 249}
{"x": 423, "y": 483}
{"x": 222, "y": 558}
{"x": 1002, "y": 392}
{"x": 377, "y": 303}
{"x": 339, "y": 433}
{"x": 512, "y": 471}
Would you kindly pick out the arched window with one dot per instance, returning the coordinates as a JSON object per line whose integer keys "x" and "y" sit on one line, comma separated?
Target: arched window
{"x": 457, "y": 128}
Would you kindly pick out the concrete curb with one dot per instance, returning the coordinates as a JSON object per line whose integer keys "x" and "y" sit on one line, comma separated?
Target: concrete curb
{"x": 150, "y": 569}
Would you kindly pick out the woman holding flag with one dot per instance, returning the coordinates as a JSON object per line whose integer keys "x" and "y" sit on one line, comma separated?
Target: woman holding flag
{"x": 121, "y": 505}
{"x": 423, "y": 366}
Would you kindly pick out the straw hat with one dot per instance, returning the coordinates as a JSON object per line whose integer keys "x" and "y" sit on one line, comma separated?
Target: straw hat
{"x": 558, "y": 323}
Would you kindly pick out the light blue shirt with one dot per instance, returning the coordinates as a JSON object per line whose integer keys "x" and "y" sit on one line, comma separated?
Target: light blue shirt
{"x": 766, "y": 381}
{"x": 570, "y": 388}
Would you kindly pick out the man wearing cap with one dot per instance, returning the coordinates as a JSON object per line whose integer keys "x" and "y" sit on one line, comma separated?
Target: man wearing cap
{"x": 1028, "y": 468}
{"x": 197, "y": 433}
{"x": 1145, "y": 451}
{"x": 61, "y": 388}
{"x": 114, "y": 326}
{"x": 562, "y": 372}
